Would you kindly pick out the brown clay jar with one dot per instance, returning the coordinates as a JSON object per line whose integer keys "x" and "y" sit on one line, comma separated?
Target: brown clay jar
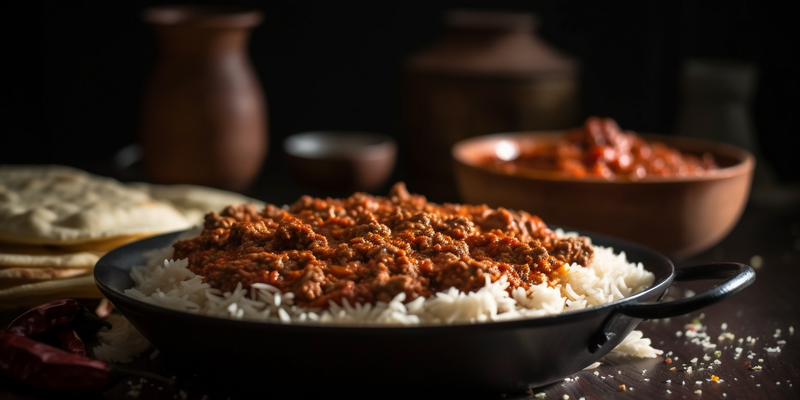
{"x": 488, "y": 73}
{"x": 204, "y": 115}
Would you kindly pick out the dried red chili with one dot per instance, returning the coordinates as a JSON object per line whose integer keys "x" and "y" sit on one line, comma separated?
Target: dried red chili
{"x": 70, "y": 341}
{"x": 40, "y": 364}
{"x": 53, "y": 316}
{"x": 32, "y": 361}
{"x": 58, "y": 322}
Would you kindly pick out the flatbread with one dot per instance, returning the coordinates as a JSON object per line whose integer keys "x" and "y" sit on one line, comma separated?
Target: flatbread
{"x": 194, "y": 201}
{"x": 59, "y": 205}
{"x": 57, "y": 221}
{"x": 29, "y": 256}
{"x": 31, "y": 294}
{"x": 16, "y": 276}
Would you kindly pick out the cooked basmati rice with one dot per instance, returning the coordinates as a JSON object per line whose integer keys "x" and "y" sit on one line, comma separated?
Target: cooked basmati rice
{"x": 121, "y": 343}
{"x": 168, "y": 283}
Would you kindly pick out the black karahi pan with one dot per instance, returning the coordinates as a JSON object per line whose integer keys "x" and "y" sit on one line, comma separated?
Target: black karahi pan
{"x": 499, "y": 357}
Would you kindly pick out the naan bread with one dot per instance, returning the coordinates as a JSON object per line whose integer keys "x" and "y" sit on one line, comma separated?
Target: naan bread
{"x": 59, "y": 205}
{"x": 57, "y": 221}
{"x": 31, "y": 256}
{"x": 84, "y": 260}
{"x": 32, "y": 294}
{"x": 15, "y": 276}
{"x": 193, "y": 201}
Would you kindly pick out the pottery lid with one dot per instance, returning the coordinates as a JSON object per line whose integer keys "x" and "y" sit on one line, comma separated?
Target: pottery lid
{"x": 212, "y": 16}
{"x": 494, "y": 20}
{"x": 719, "y": 77}
{"x": 492, "y": 44}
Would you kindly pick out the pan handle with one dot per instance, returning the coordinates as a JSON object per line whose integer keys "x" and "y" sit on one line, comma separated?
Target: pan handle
{"x": 737, "y": 277}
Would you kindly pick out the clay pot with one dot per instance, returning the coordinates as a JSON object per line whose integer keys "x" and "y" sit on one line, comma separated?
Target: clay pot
{"x": 488, "y": 73}
{"x": 204, "y": 115}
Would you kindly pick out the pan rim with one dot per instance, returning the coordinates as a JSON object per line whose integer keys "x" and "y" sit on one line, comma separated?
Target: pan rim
{"x": 110, "y": 264}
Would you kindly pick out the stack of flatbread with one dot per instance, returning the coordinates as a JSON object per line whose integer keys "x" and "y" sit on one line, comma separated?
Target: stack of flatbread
{"x": 57, "y": 221}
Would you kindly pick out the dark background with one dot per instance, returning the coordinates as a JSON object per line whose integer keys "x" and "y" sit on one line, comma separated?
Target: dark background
{"x": 337, "y": 65}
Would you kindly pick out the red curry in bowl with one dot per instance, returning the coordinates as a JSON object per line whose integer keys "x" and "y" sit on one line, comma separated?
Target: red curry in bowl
{"x": 599, "y": 149}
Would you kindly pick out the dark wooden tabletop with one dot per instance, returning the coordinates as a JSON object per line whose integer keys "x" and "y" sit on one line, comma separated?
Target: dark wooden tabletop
{"x": 756, "y": 353}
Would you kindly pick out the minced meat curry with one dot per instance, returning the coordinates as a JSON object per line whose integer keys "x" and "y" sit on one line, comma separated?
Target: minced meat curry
{"x": 601, "y": 149}
{"x": 368, "y": 248}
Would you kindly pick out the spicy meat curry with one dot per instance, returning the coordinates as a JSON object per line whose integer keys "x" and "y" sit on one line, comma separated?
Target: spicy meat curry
{"x": 368, "y": 248}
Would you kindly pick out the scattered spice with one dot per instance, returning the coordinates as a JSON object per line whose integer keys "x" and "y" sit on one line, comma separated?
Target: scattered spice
{"x": 714, "y": 378}
{"x": 717, "y": 353}
{"x": 668, "y": 360}
{"x": 622, "y": 388}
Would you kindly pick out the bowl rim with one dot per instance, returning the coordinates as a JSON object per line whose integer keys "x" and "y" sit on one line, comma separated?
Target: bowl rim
{"x": 745, "y": 159}
{"x": 377, "y": 143}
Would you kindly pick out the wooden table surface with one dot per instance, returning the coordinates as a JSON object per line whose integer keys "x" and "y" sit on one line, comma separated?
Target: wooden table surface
{"x": 754, "y": 332}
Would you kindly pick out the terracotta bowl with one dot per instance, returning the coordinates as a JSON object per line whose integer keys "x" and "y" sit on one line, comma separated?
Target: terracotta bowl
{"x": 341, "y": 160}
{"x": 679, "y": 217}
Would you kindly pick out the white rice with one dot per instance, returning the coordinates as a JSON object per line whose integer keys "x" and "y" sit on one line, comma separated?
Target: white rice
{"x": 121, "y": 343}
{"x": 168, "y": 283}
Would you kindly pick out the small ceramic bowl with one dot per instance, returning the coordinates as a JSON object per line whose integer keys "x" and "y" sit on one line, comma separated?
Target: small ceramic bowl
{"x": 341, "y": 160}
{"x": 679, "y": 217}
